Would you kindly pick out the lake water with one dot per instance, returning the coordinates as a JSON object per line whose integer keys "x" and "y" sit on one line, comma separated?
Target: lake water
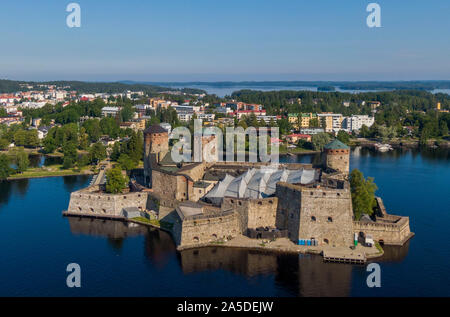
{"x": 227, "y": 91}
{"x": 37, "y": 243}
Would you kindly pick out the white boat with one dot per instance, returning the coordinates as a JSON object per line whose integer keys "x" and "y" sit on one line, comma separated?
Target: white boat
{"x": 383, "y": 147}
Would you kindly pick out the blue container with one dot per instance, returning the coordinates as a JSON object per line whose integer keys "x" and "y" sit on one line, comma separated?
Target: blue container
{"x": 309, "y": 242}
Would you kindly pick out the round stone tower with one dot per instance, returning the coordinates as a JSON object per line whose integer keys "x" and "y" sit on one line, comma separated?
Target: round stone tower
{"x": 337, "y": 156}
{"x": 156, "y": 146}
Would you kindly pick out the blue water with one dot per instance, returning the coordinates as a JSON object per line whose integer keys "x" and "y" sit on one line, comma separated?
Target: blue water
{"x": 37, "y": 243}
{"x": 227, "y": 91}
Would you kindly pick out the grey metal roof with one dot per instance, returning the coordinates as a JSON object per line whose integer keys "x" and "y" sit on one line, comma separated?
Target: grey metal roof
{"x": 259, "y": 183}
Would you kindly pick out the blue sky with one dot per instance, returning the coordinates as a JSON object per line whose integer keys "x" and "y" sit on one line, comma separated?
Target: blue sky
{"x": 210, "y": 40}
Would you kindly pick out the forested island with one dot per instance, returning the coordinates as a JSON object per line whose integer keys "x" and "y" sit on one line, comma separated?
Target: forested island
{"x": 344, "y": 85}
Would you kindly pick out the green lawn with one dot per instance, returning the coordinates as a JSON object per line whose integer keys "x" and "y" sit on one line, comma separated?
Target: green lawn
{"x": 49, "y": 171}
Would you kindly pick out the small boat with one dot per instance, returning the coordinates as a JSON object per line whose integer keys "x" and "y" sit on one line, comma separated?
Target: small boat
{"x": 383, "y": 147}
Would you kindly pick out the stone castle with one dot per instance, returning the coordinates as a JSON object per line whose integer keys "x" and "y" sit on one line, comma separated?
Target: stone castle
{"x": 208, "y": 202}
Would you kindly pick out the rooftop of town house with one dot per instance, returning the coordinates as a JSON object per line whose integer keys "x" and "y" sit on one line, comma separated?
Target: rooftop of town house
{"x": 336, "y": 145}
{"x": 156, "y": 128}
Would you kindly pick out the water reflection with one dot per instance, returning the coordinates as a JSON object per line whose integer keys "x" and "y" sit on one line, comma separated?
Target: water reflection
{"x": 72, "y": 183}
{"x": 105, "y": 228}
{"x": 394, "y": 254}
{"x": 44, "y": 160}
{"x": 299, "y": 275}
{"x": 7, "y": 188}
{"x": 158, "y": 247}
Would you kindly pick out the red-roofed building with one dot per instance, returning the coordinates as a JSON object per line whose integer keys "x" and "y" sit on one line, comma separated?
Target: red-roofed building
{"x": 240, "y": 113}
{"x": 293, "y": 138}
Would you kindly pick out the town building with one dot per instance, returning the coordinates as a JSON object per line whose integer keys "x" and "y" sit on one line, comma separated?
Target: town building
{"x": 355, "y": 122}
{"x": 110, "y": 111}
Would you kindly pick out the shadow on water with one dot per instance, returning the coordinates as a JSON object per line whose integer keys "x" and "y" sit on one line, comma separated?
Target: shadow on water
{"x": 8, "y": 188}
{"x": 71, "y": 183}
{"x": 299, "y": 275}
{"x": 43, "y": 160}
{"x": 158, "y": 247}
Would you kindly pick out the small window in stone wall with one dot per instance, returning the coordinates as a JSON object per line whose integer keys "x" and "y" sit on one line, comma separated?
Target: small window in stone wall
{"x": 259, "y": 203}
{"x": 313, "y": 218}
{"x": 240, "y": 203}
{"x": 330, "y": 219}
{"x": 196, "y": 240}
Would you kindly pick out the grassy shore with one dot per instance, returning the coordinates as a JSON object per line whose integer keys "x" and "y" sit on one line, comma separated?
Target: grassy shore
{"x": 50, "y": 171}
{"x": 297, "y": 150}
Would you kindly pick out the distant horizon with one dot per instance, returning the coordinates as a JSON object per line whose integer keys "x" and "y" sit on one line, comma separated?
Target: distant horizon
{"x": 229, "y": 81}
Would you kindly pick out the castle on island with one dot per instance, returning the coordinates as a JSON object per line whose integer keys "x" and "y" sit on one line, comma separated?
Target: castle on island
{"x": 204, "y": 203}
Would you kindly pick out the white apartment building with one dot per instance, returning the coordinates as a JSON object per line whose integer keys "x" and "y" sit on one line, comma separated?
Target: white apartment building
{"x": 185, "y": 116}
{"x": 355, "y": 122}
{"x": 186, "y": 108}
{"x": 32, "y": 105}
{"x": 110, "y": 111}
{"x": 206, "y": 116}
{"x": 267, "y": 119}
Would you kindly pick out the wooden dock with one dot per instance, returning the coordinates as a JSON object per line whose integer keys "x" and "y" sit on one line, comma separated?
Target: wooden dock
{"x": 347, "y": 257}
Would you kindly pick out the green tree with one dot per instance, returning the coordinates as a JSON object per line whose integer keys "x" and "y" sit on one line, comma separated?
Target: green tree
{"x": 126, "y": 162}
{"x": 21, "y": 159}
{"x": 97, "y": 152}
{"x": 83, "y": 160}
{"x": 344, "y": 137}
{"x": 32, "y": 139}
{"x": 83, "y": 139}
{"x": 443, "y": 128}
{"x": 364, "y": 132}
{"x": 116, "y": 182}
{"x": 70, "y": 155}
{"x": 116, "y": 151}
{"x": 5, "y": 169}
{"x": 49, "y": 144}
{"x": 320, "y": 140}
{"x": 363, "y": 194}
{"x": 20, "y": 138}
{"x": 4, "y": 144}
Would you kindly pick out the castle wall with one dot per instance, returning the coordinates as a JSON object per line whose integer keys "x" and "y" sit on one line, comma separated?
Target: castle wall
{"x": 326, "y": 215}
{"x": 389, "y": 233}
{"x": 253, "y": 213}
{"x": 169, "y": 186}
{"x": 200, "y": 230}
{"x": 331, "y": 209}
{"x": 88, "y": 202}
{"x": 288, "y": 212}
